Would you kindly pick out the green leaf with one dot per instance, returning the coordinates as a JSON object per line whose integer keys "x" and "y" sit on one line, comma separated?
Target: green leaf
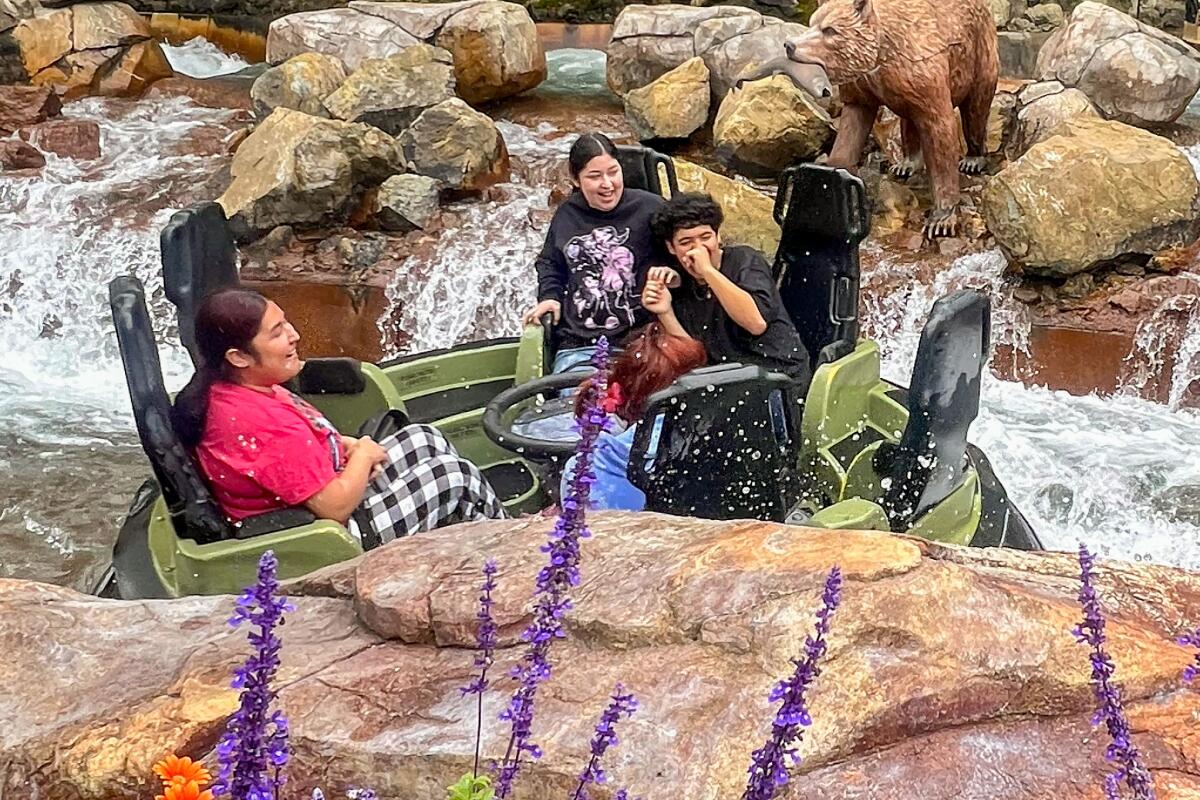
{"x": 471, "y": 788}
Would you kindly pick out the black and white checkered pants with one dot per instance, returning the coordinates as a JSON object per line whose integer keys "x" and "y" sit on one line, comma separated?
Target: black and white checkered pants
{"x": 425, "y": 485}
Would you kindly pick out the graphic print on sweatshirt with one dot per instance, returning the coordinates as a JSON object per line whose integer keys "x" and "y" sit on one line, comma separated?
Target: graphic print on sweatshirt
{"x": 605, "y": 287}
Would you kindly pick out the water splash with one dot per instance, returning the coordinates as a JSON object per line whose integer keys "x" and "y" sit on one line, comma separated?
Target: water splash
{"x": 200, "y": 58}
{"x": 1171, "y": 334}
{"x": 69, "y": 458}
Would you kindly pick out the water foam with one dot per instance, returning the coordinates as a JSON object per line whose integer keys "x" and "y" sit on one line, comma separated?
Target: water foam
{"x": 200, "y": 58}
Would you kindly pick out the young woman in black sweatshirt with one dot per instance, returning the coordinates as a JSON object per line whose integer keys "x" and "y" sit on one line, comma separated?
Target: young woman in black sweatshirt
{"x": 593, "y": 265}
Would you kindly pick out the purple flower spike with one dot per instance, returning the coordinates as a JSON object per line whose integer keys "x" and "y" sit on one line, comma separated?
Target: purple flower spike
{"x": 1191, "y": 671}
{"x": 1121, "y": 751}
{"x": 555, "y": 580}
{"x": 606, "y": 737}
{"x": 485, "y": 634}
{"x": 254, "y": 750}
{"x": 768, "y": 768}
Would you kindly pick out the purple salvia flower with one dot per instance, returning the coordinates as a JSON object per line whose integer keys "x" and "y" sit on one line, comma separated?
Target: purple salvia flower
{"x": 555, "y": 580}
{"x": 1191, "y": 671}
{"x": 361, "y": 794}
{"x": 768, "y": 767}
{"x": 485, "y": 637}
{"x": 1121, "y": 751}
{"x": 606, "y": 737}
{"x": 252, "y": 753}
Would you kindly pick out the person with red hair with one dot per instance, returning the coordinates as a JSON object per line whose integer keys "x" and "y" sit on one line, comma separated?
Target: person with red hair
{"x": 651, "y": 362}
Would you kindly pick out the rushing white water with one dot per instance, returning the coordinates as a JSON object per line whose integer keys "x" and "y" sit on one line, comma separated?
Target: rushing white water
{"x": 69, "y": 459}
{"x": 200, "y": 58}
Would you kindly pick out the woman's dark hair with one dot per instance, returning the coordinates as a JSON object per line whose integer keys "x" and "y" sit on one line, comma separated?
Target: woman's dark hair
{"x": 683, "y": 211}
{"x": 587, "y": 147}
{"x": 651, "y": 362}
{"x": 228, "y": 318}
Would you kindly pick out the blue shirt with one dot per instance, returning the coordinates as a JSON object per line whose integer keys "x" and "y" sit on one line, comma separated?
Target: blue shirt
{"x": 612, "y": 489}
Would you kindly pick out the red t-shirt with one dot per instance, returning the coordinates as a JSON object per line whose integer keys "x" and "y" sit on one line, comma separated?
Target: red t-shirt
{"x": 261, "y": 452}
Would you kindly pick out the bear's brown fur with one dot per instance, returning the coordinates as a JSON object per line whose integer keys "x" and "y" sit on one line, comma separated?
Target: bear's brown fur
{"x": 922, "y": 61}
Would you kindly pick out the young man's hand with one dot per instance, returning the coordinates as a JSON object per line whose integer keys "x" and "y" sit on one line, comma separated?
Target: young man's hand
{"x": 656, "y": 297}
{"x": 700, "y": 261}
{"x": 534, "y": 315}
{"x": 665, "y": 275}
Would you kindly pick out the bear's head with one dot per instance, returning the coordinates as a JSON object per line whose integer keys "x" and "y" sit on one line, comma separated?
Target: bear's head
{"x": 842, "y": 39}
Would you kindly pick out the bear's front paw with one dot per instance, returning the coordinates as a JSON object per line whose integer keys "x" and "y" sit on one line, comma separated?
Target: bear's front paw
{"x": 973, "y": 165}
{"x": 905, "y": 168}
{"x": 942, "y": 222}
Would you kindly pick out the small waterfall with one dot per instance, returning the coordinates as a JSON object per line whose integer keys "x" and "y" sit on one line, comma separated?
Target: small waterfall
{"x": 200, "y": 58}
{"x": 1170, "y": 334}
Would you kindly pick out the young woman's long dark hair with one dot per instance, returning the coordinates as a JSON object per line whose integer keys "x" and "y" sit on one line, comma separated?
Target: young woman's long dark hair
{"x": 228, "y": 318}
{"x": 587, "y": 147}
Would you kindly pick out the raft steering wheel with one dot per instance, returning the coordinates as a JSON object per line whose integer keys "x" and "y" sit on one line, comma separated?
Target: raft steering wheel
{"x": 501, "y": 432}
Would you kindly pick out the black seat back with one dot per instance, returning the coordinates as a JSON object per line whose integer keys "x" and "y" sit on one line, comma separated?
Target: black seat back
{"x": 640, "y": 167}
{"x": 192, "y": 507}
{"x": 198, "y": 256}
{"x": 822, "y": 214}
{"x": 943, "y": 401}
{"x": 723, "y": 453}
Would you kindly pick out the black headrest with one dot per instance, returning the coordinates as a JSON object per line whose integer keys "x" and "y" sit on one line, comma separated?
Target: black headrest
{"x": 724, "y": 451}
{"x": 640, "y": 168}
{"x": 198, "y": 257}
{"x": 192, "y": 507}
{"x": 943, "y": 401}
{"x": 822, "y": 214}
{"x": 338, "y": 375}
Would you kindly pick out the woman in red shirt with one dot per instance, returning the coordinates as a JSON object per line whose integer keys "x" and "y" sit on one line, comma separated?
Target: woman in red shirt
{"x": 263, "y": 448}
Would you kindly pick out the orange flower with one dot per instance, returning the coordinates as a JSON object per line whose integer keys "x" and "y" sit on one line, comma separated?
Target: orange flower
{"x": 184, "y": 790}
{"x": 173, "y": 769}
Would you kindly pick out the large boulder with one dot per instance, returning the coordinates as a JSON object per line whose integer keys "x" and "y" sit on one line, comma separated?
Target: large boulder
{"x": 26, "y": 105}
{"x": 299, "y": 169}
{"x": 494, "y": 44}
{"x": 673, "y": 106}
{"x": 728, "y": 57}
{"x": 406, "y": 202}
{"x": 1042, "y": 108}
{"x": 103, "y": 48}
{"x": 768, "y": 125}
{"x": 349, "y": 35}
{"x": 66, "y": 138}
{"x": 1132, "y": 72}
{"x": 301, "y": 83}
{"x": 13, "y": 11}
{"x": 496, "y": 51}
{"x": 456, "y": 145}
{"x": 749, "y": 213}
{"x": 1093, "y": 191}
{"x": 390, "y": 93}
{"x": 949, "y": 671}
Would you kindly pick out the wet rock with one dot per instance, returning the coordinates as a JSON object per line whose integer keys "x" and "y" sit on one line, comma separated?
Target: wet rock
{"x": 141, "y": 65}
{"x": 391, "y": 93}
{"x": 26, "y": 105}
{"x": 215, "y": 92}
{"x": 1005, "y": 10}
{"x": 698, "y": 618}
{"x": 1046, "y": 16}
{"x": 456, "y": 145}
{"x": 1093, "y": 191}
{"x": 650, "y": 41}
{"x": 420, "y": 20}
{"x": 754, "y": 42}
{"x": 18, "y": 154}
{"x": 66, "y": 138}
{"x": 749, "y": 213}
{"x": 44, "y": 38}
{"x": 1043, "y": 107}
{"x": 406, "y": 202}
{"x": 98, "y": 25}
{"x": 1019, "y": 52}
{"x": 299, "y": 169}
{"x": 768, "y": 125}
{"x": 1132, "y": 72}
{"x": 349, "y": 35}
{"x": 301, "y": 83}
{"x": 673, "y": 106}
{"x": 13, "y": 11}
{"x": 496, "y": 51}
{"x": 894, "y": 203}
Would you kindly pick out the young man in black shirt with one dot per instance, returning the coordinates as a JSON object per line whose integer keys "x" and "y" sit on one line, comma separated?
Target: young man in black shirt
{"x": 727, "y": 297}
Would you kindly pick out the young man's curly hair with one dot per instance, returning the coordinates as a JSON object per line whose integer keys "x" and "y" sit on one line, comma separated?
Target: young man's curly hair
{"x": 683, "y": 211}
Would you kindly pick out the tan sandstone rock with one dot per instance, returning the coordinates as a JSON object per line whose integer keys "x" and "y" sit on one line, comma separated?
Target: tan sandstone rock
{"x": 496, "y": 50}
{"x": 141, "y": 65}
{"x": 456, "y": 145}
{"x": 44, "y": 38}
{"x": 1042, "y": 108}
{"x": 1092, "y": 191}
{"x": 749, "y": 213}
{"x": 301, "y": 83}
{"x": 26, "y": 105}
{"x": 390, "y": 93}
{"x": 770, "y": 124}
{"x": 344, "y": 33}
{"x": 673, "y": 106}
{"x": 108, "y": 24}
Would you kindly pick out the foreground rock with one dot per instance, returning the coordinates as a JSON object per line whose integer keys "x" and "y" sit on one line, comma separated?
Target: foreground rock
{"x": 103, "y": 48}
{"x": 390, "y": 93}
{"x": 768, "y": 125}
{"x": 1133, "y": 72}
{"x": 297, "y": 168}
{"x": 26, "y": 105}
{"x": 406, "y": 202}
{"x": 66, "y": 138}
{"x": 1043, "y": 107}
{"x": 16, "y": 154}
{"x": 1093, "y": 191}
{"x": 494, "y": 44}
{"x": 301, "y": 83}
{"x": 457, "y": 146}
{"x": 673, "y": 106}
{"x": 749, "y": 213}
{"x": 941, "y": 662}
